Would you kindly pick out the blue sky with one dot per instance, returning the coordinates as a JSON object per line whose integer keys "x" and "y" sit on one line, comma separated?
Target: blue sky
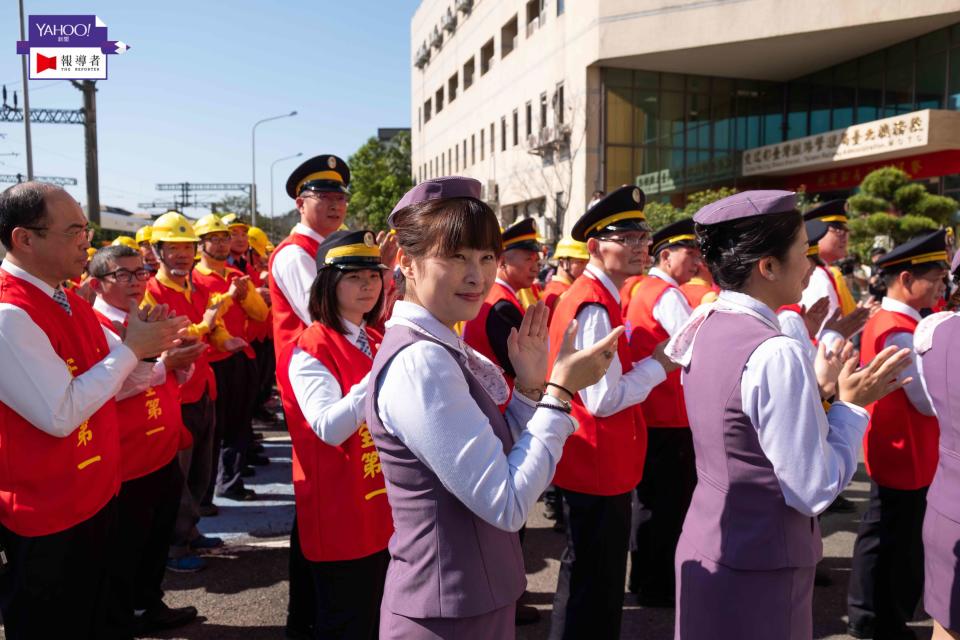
{"x": 180, "y": 104}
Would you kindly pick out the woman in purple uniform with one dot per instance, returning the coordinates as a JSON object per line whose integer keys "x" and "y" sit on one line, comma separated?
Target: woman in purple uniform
{"x": 768, "y": 458}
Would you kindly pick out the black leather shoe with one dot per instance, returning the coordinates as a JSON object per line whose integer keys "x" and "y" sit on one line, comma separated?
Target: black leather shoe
{"x": 163, "y": 617}
{"x": 248, "y": 472}
{"x": 240, "y": 495}
{"x": 526, "y": 615}
{"x": 258, "y": 460}
{"x": 842, "y": 505}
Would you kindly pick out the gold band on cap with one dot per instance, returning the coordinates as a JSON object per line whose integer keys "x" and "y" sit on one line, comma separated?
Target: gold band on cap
{"x": 352, "y": 251}
{"x": 674, "y": 239}
{"x": 524, "y": 238}
{"x": 934, "y": 256}
{"x": 813, "y": 251}
{"x": 320, "y": 175}
{"x": 837, "y": 218}
{"x": 623, "y": 215}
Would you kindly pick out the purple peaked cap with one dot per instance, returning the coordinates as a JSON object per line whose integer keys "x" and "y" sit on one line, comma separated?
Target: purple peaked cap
{"x": 446, "y": 187}
{"x": 745, "y": 205}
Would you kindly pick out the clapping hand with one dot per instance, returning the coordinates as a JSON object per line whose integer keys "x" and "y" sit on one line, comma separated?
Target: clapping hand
{"x": 527, "y": 347}
{"x": 872, "y": 382}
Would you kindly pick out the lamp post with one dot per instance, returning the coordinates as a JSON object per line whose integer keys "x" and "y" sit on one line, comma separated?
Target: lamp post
{"x": 253, "y": 145}
{"x": 272, "y": 165}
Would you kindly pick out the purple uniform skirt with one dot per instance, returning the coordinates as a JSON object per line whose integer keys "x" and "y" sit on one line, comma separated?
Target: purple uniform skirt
{"x": 941, "y": 581}
{"x": 496, "y": 625}
{"x": 715, "y": 602}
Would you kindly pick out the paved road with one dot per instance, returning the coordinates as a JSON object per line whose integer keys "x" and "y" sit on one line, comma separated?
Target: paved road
{"x": 242, "y": 594}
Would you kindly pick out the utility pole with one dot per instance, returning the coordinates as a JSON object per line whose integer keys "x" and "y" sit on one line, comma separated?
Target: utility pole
{"x": 89, "y": 90}
{"x": 24, "y": 62}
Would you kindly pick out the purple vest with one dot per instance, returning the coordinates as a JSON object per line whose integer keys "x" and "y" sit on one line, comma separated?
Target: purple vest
{"x": 941, "y": 379}
{"x": 738, "y": 516}
{"x": 445, "y": 562}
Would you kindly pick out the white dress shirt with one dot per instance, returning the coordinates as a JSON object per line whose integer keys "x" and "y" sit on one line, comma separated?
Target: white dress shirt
{"x": 424, "y": 400}
{"x": 334, "y": 417}
{"x": 154, "y": 373}
{"x": 821, "y": 284}
{"x": 814, "y": 455}
{"x": 294, "y": 272}
{"x": 914, "y": 389}
{"x": 672, "y": 309}
{"x": 615, "y": 391}
{"x": 792, "y": 324}
{"x": 36, "y": 383}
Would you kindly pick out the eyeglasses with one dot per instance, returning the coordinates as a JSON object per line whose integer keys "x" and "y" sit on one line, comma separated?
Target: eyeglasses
{"x": 217, "y": 239}
{"x": 73, "y": 234}
{"x": 633, "y": 242}
{"x": 125, "y": 276}
{"x": 840, "y": 231}
{"x": 334, "y": 198}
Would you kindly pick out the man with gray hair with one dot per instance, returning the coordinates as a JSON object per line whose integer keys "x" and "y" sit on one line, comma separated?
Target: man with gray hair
{"x": 59, "y": 431}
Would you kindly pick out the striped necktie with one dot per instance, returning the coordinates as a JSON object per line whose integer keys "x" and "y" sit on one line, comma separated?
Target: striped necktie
{"x": 363, "y": 343}
{"x": 61, "y": 299}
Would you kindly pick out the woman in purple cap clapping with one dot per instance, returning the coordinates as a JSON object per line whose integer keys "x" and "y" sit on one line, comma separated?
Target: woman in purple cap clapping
{"x": 769, "y": 459}
{"x": 460, "y": 475}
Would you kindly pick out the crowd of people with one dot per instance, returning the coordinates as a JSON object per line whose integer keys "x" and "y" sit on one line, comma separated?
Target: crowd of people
{"x": 686, "y": 400}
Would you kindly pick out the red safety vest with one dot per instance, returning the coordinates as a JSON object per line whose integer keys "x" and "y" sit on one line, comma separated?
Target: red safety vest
{"x": 475, "y": 331}
{"x": 900, "y": 446}
{"x": 50, "y": 484}
{"x": 193, "y": 308}
{"x": 342, "y": 507}
{"x": 665, "y": 406}
{"x": 257, "y": 329}
{"x": 626, "y": 291}
{"x": 151, "y": 426}
{"x": 286, "y": 323}
{"x": 234, "y": 318}
{"x": 554, "y": 289}
{"x": 605, "y": 455}
{"x": 696, "y": 290}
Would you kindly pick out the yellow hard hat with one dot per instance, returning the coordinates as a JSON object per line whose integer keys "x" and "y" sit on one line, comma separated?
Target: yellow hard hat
{"x": 258, "y": 241}
{"x": 210, "y": 223}
{"x": 172, "y": 227}
{"x": 143, "y": 234}
{"x": 90, "y": 252}
{"x": 570, "y": 248}
{"x": 233, "y": 220}
{"x": 126, "y": 241}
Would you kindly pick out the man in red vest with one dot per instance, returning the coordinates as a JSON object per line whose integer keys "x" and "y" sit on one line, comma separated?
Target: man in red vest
{"x": 151, "y": 433}
{"x": 320, "y": 189}
{"x": 175, "y": 244}
{"x": 59, "y": 433}
{"x": 700, "y": 289}
{"x": 571, "y": 257}
{"x": 901, "y": 451}
{"x": 234, "y": 365}
{"x": 657, "y": 311}
{"x": 602, "y": 462}
{"x": 502, "y": 311}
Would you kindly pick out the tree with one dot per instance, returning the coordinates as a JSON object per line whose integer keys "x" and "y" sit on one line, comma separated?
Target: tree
{"x": 888, "y": 204}
{"x": 660, "y": 214}
{"x": 380, "y": 173}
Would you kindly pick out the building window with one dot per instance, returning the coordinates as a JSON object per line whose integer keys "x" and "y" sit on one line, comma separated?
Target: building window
{"x": 509, "y": 37}
{"x": 450, "y": 159}
{"x": 456, "y": 158}
{"x": 483, "y": 143}
{"x": 516, "y": 128}
{"x": 438, "y": 99}
{"x": 529, "y": 113}
{"x": 464, "y": 153}
{"x": 503, "y": 133}
{"x": 419, "y": 117}
{"x": 452, "y": 85}
{"x": 473, "y": 149}
{"x": 533, "y": 16}
{"x": 558, "y": 104}
{"x": 468, "y": 70}
{"x": 543, "y": 110}
{"x": 443, "y": 164}
{"x": 486, "y": 57}
{"x": 560, "y": 7}
{"x": 426, "y": 111}
{"x": 492, "y": 140}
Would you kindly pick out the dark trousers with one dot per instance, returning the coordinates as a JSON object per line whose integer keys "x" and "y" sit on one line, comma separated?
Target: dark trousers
{"x": 887, "y": 577}
{"x": 196, "y": 468}
{"x": 236, "y": 393}
{"x": 663, "y": 496}
{"x": 593, "y": 567}
{"x": 266, "y": 370}
{"x": 302, "y": 602}
{"x": 348, "y": 594}
{"x": 148, "y": 512}
{"x": 58, "y": 585}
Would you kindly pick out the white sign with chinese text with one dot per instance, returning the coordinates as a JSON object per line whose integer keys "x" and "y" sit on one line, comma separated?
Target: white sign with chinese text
{"x": 63, "y": 63}
{"x": 905, "y": 131}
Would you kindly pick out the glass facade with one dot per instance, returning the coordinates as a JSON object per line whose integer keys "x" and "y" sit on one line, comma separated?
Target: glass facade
{"x": 674, "y": 134}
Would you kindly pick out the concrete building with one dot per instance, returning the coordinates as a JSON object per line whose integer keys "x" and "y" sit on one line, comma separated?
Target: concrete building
{"x": 545, "y": 101}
